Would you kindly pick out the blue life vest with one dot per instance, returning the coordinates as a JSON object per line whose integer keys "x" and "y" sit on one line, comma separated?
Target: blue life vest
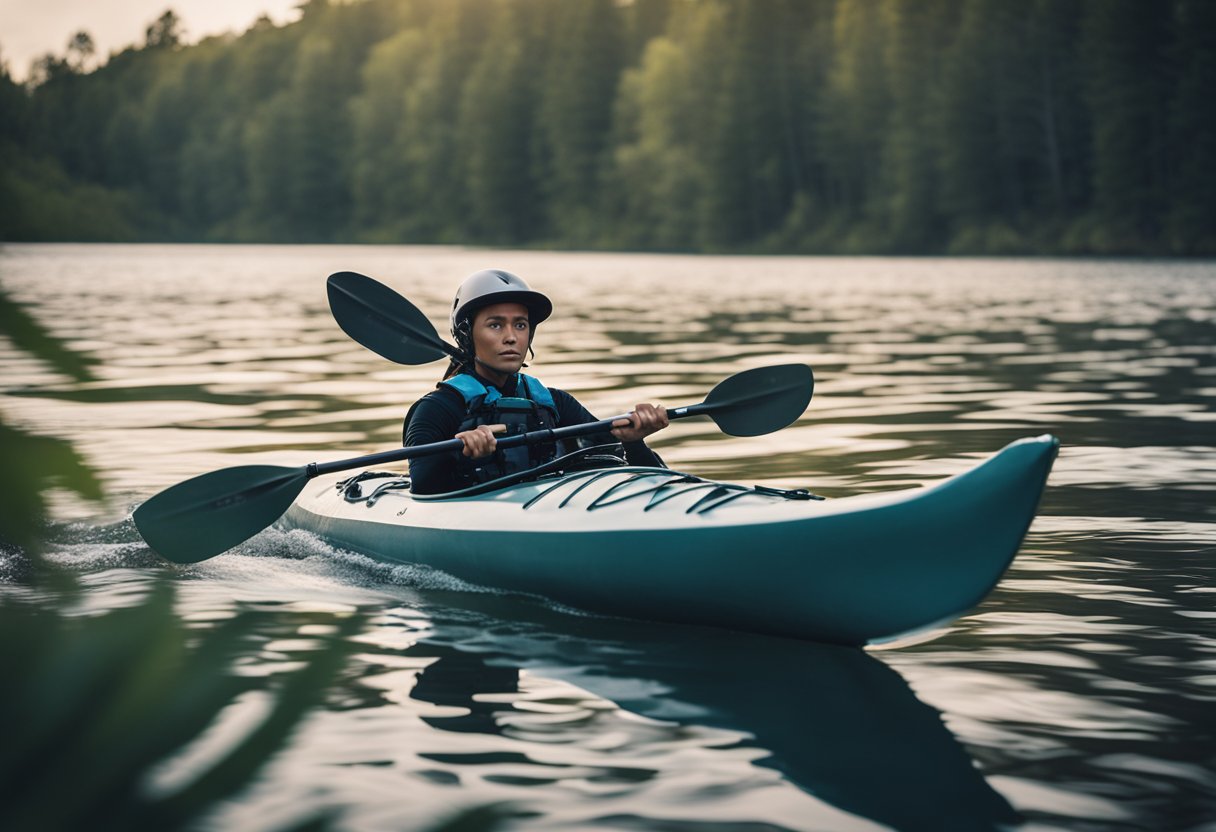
{"x": 531, "y": 409}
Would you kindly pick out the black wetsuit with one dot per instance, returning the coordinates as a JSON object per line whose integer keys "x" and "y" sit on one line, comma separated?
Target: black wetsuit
{"x": 438, "y": 415}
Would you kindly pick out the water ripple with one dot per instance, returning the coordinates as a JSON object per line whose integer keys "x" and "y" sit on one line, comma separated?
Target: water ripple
{"x": 1078, "y": 696}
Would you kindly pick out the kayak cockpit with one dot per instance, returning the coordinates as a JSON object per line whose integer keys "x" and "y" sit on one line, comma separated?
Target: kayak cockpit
{"x": 600, "y": 488}
{"x": 594, "y": 458}
{"x": 602, "y": 477}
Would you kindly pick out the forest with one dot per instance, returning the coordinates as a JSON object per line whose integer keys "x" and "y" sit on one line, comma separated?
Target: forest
{"x": 1053, "y": 127}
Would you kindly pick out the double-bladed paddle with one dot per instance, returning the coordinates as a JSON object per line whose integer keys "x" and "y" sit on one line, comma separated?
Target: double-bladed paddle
{"x": 209, "y": 514}
{"x": 383, "y": 321}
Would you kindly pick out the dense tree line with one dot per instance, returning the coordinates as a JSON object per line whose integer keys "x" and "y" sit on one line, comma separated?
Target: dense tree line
{"x": 766, "y": 125}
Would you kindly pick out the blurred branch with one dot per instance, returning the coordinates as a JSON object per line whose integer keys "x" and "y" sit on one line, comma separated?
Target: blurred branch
{"x": 90, "y": 706}
{"x": 95, "y": 703}
{"x": 27, "y": 334}
{"x": 33, "y": 464}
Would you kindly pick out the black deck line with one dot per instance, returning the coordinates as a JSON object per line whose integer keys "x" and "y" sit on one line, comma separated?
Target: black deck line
{"x": 566, "y": 480}
{"x": 667, "y": 497}
{"x": 722, "y": 488}
{"x": 600, "y": 502}
{"x": 729, "y": 498}
{"x": 599, "y": 476}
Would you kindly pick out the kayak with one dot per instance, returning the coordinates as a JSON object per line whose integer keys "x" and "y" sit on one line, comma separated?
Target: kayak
{"x": 657, "y": 544}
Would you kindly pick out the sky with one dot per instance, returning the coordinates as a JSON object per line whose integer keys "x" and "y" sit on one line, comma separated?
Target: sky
{"x": 31, "y": 28}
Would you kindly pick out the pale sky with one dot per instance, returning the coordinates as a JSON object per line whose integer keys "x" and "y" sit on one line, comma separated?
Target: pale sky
{"x": 31, "y": 28}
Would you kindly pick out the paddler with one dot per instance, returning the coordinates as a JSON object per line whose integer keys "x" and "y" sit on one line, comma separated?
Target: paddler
{"x": 494, "y": 319}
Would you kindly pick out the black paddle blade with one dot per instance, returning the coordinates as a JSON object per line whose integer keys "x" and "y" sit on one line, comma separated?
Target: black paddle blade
{"x": 207, "y": 515}
{"x": 762, "y": 400}
{"x": 383, "y": 321}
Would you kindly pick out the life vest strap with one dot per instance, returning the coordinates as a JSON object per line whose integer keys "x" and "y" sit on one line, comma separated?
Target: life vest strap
{"x": 476, "y": 394}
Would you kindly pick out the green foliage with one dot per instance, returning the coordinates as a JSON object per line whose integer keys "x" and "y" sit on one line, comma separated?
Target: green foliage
{"x": 39, "y": 202}
{"x": 855, "y": 108}
{"x": 806, "y": 125}
{"x": 95, "y": 704}
{"x": 97, "y": 709}
{"x": 33, "y": 464}
{"x": 661, "y": 176}
{"x": 1191, "y": 229}
{"x": 1128, "y": 82}
{"x": 297, "y": 150}
{"x": 584, "y": 66}
{"x": 165, "y": 32}
{"x": 428, "y": 139}
{"x": 92, "y": 705}
{"x": 749, "y": 182}
{"x": 381, "y": 185}
{"x": 27, "y": 334}
{"x": 503, "y": 194}
{"x": 907, "y": 202}
{"x": 14, "y": 107}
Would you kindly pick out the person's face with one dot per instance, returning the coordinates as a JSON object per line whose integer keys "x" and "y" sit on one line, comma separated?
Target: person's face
{"x": 501, "y": 334}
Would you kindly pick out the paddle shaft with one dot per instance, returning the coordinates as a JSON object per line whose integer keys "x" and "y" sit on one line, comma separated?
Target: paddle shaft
{"x": 209, "y": 514}
{"x": 316, "y": 469}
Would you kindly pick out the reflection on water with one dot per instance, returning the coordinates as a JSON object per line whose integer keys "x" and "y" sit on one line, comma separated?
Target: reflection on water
{"x": 858, "y": 723}
{"x": 1078, "y": 696}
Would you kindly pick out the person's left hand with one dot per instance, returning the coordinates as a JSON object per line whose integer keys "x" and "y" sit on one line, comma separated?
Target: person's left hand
{"x": 645, "y": 420}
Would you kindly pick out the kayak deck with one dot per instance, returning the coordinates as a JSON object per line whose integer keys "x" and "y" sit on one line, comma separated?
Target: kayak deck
{"x": 658, "y": 485}
{"x": 656, "y": 544}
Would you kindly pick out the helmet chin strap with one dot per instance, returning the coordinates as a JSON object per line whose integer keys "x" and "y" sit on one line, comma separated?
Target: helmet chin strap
{"x": 477, "y": 360}
{"x": 464, "y": 340}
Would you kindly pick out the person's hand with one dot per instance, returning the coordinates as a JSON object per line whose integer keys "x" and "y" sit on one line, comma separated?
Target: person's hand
{"x": 643, "y": 421}
{"x": 479, "y": 441}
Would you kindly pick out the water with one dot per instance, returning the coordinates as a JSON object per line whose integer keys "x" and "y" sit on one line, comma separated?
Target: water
{"x": 1080, "y": 695}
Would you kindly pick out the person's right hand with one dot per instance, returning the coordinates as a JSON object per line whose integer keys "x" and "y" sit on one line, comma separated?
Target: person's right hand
{"x": 479, "y": 441}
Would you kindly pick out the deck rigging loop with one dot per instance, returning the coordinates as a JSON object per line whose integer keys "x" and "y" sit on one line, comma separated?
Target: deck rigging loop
{"x": 673, "y": 485}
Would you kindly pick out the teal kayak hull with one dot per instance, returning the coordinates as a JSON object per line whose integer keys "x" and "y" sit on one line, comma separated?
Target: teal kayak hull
{"x": 641, "y": 543}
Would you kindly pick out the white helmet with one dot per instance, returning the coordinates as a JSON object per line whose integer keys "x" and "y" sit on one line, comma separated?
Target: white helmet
{"x": 491, "y": 286}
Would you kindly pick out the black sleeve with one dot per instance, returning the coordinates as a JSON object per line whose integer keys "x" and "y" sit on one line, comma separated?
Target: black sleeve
{"x": 571, "y": 412}
{"x": 436, "y": 417}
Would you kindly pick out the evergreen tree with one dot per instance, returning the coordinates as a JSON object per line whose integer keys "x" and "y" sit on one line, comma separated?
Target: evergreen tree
{"x": 267, "y": 141}
{"x": 1192, "y": 215}
{"x": 164, "y": 126}
{"x": 657, "y": 164}
{"x": 1061, "y": 115}
{"x": 645, "y": 20}
{"x": 80, "y": 51}
{"x": 14, "y": 108}
{"x": 970, "y": 120}
{"x": 497, "y": 114}
{"x": 319, "y": 199}
{"x": 429, "y": 138}
{"x": 856, "y": 109}
{"x": 298, "y": 149}
{"x": 824, "y": 125}
{"x": 381, "y": 180}
{"x": 1127, "y": 71}
{"x": 754, "y": 163}
{"x": 905, "y": 203}
{"x": 998, "y": 117}
{"x": 165, "y": 32}
{"x": 580, "y": 81}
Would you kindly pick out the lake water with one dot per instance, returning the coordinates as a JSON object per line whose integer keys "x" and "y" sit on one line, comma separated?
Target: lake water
{"x": 1080, "y": 695}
